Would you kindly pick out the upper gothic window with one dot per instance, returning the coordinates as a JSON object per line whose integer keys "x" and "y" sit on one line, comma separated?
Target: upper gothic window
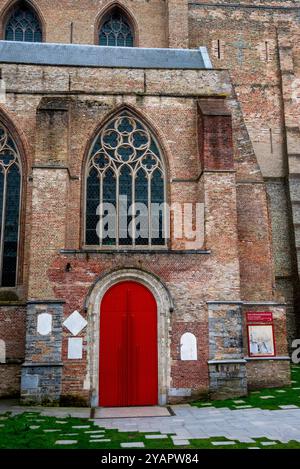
{"x": 125, "y": 187}
{"x": 116, "y": 30}
{"x": 23, "y": 25}
{"x": 10, "y": 196}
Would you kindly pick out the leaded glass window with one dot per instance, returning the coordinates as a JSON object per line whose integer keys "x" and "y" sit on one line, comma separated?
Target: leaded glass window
{"x": 23, "y": 25}
{"x": 116, "y": 31}
{"x": 10, "y": 196}
{"x": 125, "y": 187}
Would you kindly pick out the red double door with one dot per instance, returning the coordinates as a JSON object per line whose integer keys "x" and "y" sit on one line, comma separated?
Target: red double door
{"x": 128, "y": 372}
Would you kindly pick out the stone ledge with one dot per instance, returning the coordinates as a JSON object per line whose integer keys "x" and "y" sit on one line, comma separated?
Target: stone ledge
{"x": 225, "y": 361}
{"x": 46, "y": 302}
{"x": 267, "y": 358}
{"x": 37, "y": 365}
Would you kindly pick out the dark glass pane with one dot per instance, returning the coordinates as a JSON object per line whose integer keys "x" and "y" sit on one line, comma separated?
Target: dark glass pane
{"x": 37, "y": 36}
{"x": 103, "y": 39}
{"x": 116, "y": 31}
{"x": 125, "y": 191}
{"x": 11, "y": 231}
{"x": 92, "y": 203}
{"x": 9, "y": 34}
{"x": 141, "y": 197}
{"x": 23, "y": 25}
{"x": 19, "y": 36}
{"x": 157, "y": 197}
{"x": 29, "y": 35}
{"x": 109, "y": 197}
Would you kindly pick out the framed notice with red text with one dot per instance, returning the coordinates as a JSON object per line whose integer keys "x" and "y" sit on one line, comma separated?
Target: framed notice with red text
{"x": 261, "y": 339}
{"x": 254, "y": 316}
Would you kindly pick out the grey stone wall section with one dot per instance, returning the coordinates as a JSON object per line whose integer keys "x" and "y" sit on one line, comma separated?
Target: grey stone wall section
{"x": 42, "y": 370}
{"x": 227, "y": 368}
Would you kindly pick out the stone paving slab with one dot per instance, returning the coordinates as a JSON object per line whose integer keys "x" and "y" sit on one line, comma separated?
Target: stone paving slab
{"x": 133, "y": 445}
{"x": 66, "y": 442}
{"x": 130, "y": 412}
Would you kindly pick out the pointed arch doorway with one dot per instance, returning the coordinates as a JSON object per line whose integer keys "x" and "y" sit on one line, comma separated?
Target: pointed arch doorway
{"x": 128, "y": 363}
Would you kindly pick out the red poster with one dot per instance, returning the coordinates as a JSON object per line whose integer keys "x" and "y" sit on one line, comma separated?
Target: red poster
{"x": 254, "y": 316}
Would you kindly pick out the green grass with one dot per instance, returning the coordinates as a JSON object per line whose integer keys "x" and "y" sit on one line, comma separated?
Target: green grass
{"x": 290, "y": 396}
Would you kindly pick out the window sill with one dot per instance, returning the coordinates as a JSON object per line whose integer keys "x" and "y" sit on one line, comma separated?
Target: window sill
{"x": 134, "y": 251}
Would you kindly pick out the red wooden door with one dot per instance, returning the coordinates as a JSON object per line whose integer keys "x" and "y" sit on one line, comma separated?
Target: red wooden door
{"x": 128, "y": 372}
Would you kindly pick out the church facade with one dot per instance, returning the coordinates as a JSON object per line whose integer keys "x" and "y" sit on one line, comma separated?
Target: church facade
{"x": 148, "y": 199}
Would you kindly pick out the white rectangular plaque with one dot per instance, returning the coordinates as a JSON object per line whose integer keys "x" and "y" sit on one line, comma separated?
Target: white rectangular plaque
{"x": 75, "y": 347}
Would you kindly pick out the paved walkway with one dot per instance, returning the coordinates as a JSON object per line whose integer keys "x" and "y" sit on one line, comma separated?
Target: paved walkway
{"x": 195, "y": 423}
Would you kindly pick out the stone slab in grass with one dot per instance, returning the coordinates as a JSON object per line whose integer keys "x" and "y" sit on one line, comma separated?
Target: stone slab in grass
{"x": 267, "y": 397}
{"x": 287, "y": 407}
{"x": 103, "y": 440}
{"x": 94, "y": 431}
{"x": 296, "y": 389}
{"x": 181, "y": 442}
{"x": 253, "y": 447}
{"x": 81, "y": 426}
{"x": 206, "y": 405}
{"x": 268, "y": 443}
{"x": 51, "y": 431}
{"x": 66, "y": 442}
{"x": 280, "y": 390}
{"x": 239, "y": 402}
{"x": 243, "y": 407}
{"x": 97, "y": 436}
{"x": 34, "y": 427}
{"x": 132, "y": 445}
{"x": 156, "y": 437}
{"x": 223, "y": 443}
{"x": 61, "y": 423}
{"x": 2, "y": 425}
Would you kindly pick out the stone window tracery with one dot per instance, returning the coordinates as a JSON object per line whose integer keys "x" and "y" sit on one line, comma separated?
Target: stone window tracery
{"x": 116, "y": 30}
{"x": 125, "y": 169}
{"x": 23, "y": 25}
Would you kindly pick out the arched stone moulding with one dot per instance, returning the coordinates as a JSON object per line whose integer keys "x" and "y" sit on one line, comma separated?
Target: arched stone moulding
{"x": 164, "y": 307}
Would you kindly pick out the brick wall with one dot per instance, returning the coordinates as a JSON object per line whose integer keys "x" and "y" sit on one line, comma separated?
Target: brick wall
{"x": 12, "y": 332}
{"x": 57, "y": 18}
{"x": 258, "y": 43}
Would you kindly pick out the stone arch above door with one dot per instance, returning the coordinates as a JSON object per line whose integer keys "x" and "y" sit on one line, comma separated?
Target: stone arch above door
{"x": 164, "y": 308}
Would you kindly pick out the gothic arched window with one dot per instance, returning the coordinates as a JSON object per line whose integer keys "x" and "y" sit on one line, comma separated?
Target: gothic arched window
{"x": 10, "y": 198}
{"x": 125, "y": 187}
{"x": 116, "y": 30}
{"x": 23, "y": 25}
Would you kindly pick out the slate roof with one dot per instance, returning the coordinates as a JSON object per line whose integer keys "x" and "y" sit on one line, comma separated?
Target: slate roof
{"x": 77, "y": 55}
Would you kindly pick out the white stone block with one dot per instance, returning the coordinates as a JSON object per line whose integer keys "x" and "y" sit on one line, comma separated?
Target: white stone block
{"x": 44, "y": 324}
{"x": 188, "y": 347}
{"x": 75, "y": 323}
{"x": 75, "y": 347}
